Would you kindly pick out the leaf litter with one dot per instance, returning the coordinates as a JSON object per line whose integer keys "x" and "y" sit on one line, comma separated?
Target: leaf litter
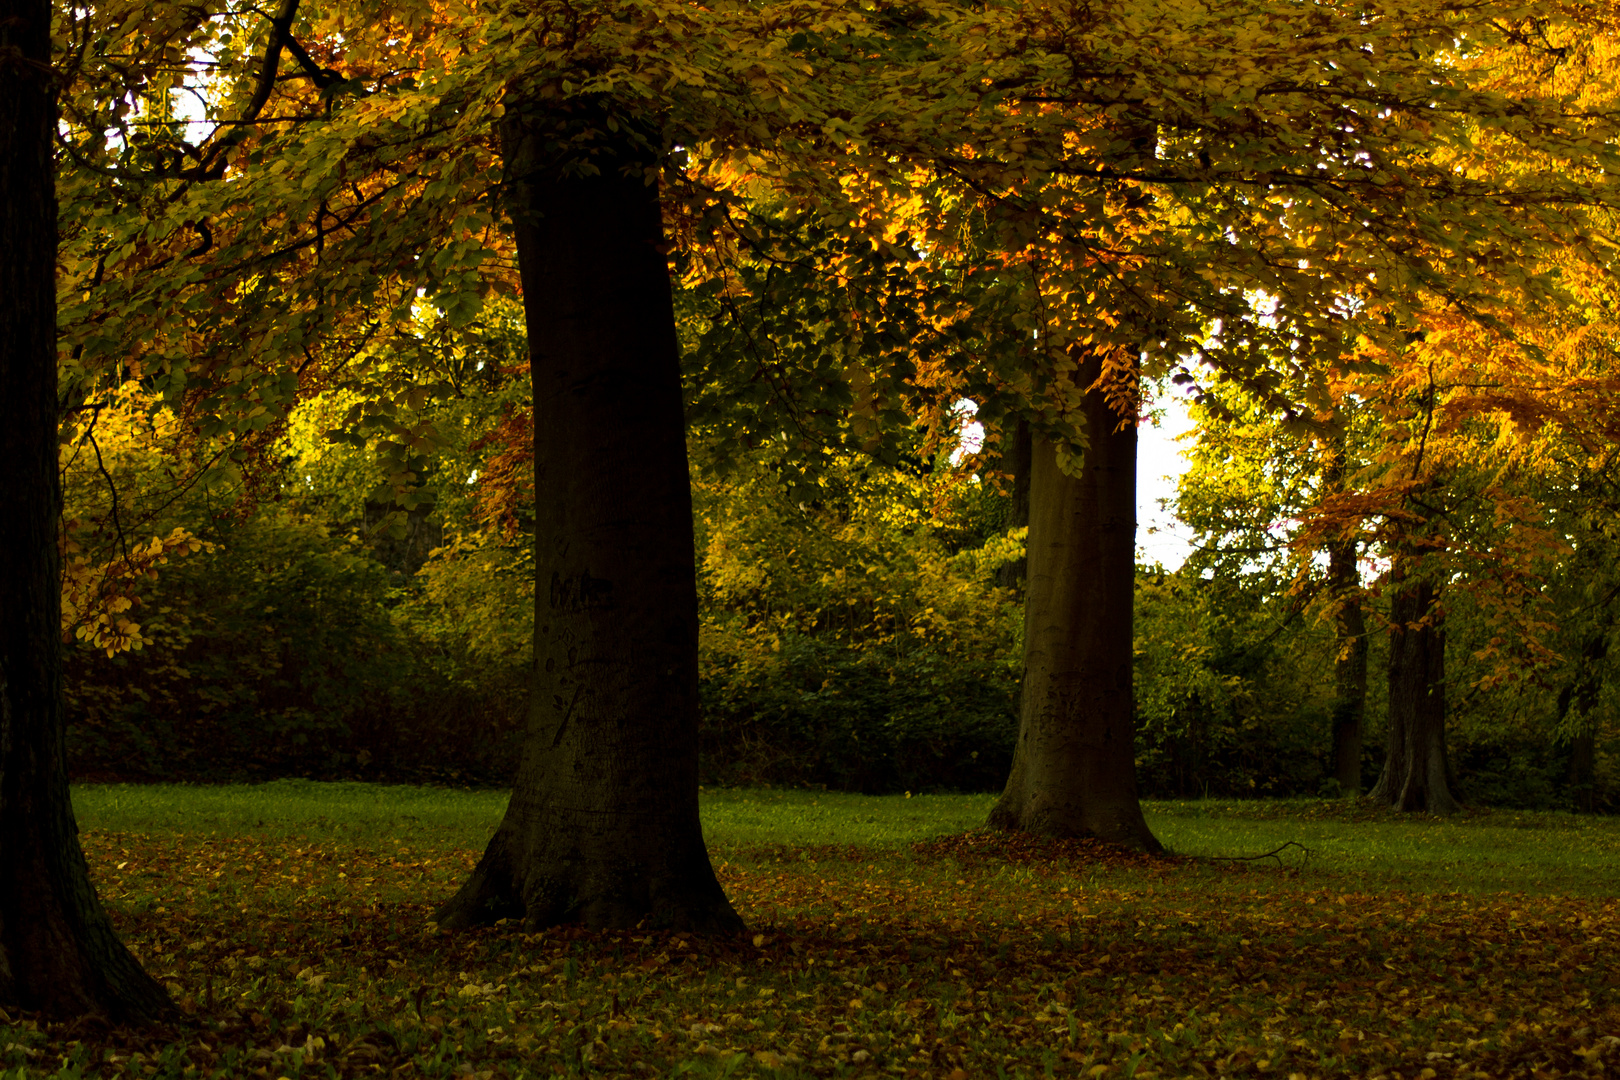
{"x": 979, "y": 955}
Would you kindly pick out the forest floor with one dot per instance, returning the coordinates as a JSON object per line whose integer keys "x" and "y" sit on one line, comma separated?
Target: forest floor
{"x": 888, "y": 937}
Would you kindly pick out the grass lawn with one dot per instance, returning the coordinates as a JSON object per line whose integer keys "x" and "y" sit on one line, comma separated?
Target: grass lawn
{"x": 887, "y": 937}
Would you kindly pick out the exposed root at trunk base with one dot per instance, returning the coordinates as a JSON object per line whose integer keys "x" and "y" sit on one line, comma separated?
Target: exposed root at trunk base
{"x": 1122, "y": 828}
{"x": 97, "y": 978}
{"x": 550, "y": 888}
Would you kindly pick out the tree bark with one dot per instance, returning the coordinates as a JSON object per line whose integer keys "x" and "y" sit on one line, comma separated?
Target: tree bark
{"x": 1349, "y": 667}
{"x": 1582, "y": 695}
{"x": 1350, "y": 637}
{"x": 1417, "y": 772}
{"x": 1074, "y": 767}
{"x": 58, "y": 951}
{"x": 602, "y": 828}
{"x": 1582, "y": 766}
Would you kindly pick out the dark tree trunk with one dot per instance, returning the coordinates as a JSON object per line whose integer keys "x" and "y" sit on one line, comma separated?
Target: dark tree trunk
{"x": 1350, "y": 638}
{"x": 1074, "y": 768}
{"x": 1015, "y": 459}
{"x": 1349, "y": 667}
{"x": 603, "y": 824}
{"x": 1417, "y": 773}
{"x": 1581, "y": 695}
{"x": 1582, "y": 765}
{"x": 58, "y": 952}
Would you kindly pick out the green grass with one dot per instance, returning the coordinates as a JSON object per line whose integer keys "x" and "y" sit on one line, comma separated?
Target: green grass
{"x": 1478, "y": 852}
{"x": 352, "y": 811}
{"x": 295, "y": 808}
{"x": 740, "y": 817}
{"x": 1539, "y": 854}
{"x": 292, "y": 921}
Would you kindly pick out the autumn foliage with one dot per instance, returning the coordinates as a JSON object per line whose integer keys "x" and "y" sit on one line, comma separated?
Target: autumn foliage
{"x": 1371, "y": 244}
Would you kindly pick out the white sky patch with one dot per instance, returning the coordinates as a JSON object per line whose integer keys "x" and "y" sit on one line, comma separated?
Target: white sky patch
{"x": 1161, "y": 537}
{"x": 187, "y": 101}
{"x": 969, "y": 432}
{"x": 1160, "y": 462}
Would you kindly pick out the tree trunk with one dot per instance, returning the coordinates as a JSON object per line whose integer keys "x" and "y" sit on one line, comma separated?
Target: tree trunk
{"x": 1582, "y": 695}
{"x": 1582, "y": 766}
{"x": 58, "y": 952}
{"x": 602, "y": 828}
{"x": 1074, "y": 768}
{"x": 1349, "y": 667}
{"x": 1417, "y": 773}
{"x": 1015, "y": 459}
{"x": 1349, "y": 632}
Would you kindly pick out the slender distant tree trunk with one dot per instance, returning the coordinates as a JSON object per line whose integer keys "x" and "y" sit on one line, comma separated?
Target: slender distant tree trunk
{"x": 1582, "y": 766}
{"x": 1417, "y": 772}
{"x": 1015, "y": 459}
{"x": 1349, "y": 667}
{"x": 602, "y": 828}
{"x": 1581, "y": 697}
{"x": 1350, "y": 639}
{"x": 1074, "y": 768}
{"x": 58, "y": 952}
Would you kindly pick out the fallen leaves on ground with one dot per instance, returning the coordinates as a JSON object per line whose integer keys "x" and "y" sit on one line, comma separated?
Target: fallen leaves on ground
{"x": 974, "y": 956}
{"x": 991, "y": 845}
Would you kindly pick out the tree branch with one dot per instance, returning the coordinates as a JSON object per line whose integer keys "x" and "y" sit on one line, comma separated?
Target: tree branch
{"x": 280, "y": 34}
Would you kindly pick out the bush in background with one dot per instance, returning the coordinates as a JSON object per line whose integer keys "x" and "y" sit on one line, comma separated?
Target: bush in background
{"x": 852, "y": 635}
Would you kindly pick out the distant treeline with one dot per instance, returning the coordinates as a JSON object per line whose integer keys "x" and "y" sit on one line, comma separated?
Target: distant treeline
{"x": 858, "y": 642}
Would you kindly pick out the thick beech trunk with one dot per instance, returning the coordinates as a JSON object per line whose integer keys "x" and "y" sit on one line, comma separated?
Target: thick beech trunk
{"x": 603, "y": 826}
{"x": 1074, "y": 768}
{"x": 58, "y": 952}
{"x": 1417, "y": 773}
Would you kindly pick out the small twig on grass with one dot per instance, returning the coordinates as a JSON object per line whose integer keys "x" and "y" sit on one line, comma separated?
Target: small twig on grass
{"x": 1274, "y": 853}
